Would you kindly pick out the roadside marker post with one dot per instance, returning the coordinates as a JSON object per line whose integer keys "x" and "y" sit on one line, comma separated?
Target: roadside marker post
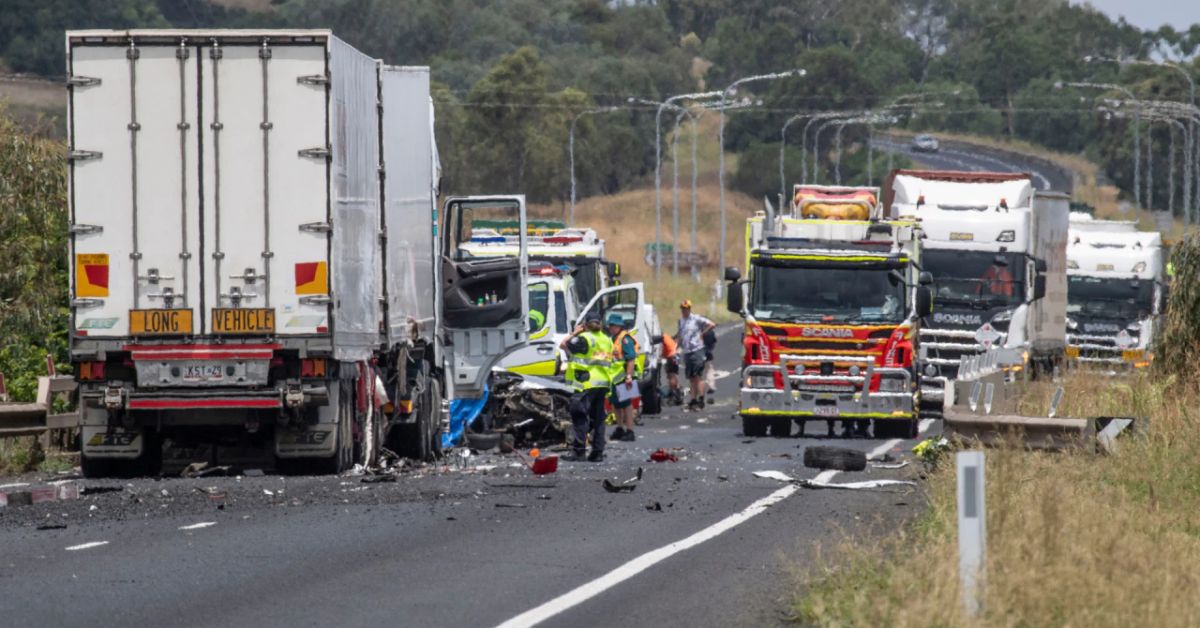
{"x": 972, "y": 528}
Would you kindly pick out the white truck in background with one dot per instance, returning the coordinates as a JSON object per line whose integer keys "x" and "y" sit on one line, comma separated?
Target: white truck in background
{"x": 1116, "y": 291}
{"x": 231, "y": 194}
{"x": 997, "y": 251}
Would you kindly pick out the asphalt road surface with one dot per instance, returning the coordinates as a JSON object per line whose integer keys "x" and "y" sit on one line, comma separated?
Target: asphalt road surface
{"x": 974, "y": 158}
{"x": 480, "y": 542}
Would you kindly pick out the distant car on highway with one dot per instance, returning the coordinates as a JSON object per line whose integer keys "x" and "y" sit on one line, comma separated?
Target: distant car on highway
{"x": 925, "y": 144}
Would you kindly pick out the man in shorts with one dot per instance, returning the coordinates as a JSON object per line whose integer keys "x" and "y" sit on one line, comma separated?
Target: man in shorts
{"x": 674, "y": 393}
{"x": 690, "y": 338}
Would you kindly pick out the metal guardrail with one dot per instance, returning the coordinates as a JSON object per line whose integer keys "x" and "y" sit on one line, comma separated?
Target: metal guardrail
{"x": 35, "y": 419}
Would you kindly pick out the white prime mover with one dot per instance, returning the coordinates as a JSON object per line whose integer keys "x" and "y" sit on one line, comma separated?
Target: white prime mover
{"x": 1115, "y": 293}
{"x": 997, "y": 253}
{"x": 254, "y": 249}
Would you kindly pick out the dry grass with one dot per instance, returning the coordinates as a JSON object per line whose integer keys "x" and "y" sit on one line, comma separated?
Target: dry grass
{"x": 1073, "y": 539}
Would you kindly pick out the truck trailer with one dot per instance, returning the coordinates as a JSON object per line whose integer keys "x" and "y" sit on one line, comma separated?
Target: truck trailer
{"x": 253, "y": 258}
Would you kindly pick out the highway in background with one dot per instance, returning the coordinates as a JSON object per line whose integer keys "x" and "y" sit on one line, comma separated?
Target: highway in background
{"x": 955, "y": 155}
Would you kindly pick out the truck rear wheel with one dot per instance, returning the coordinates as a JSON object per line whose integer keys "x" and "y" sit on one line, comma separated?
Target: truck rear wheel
{"x": 754, "y": 426}
{"x": 149, "y": 463}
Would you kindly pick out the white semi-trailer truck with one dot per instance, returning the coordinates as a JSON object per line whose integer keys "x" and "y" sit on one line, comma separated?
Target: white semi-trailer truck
{"x": 997, "y": 251}
{"x": 1116, "y": 291}
{"x": 255, "y": 251}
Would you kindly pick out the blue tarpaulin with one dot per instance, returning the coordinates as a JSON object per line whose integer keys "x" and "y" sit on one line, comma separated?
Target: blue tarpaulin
{"x": 463, "y": 412}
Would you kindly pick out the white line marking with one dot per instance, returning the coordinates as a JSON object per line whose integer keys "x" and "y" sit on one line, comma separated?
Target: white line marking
{"x": 721, "y": 374}
{"x": 591, "y": 589}
{"x": 641, "y": 563}
{"x": 84, "y": 546}
{"x": 15, "y": 485}
{"x": 197, "y": 526}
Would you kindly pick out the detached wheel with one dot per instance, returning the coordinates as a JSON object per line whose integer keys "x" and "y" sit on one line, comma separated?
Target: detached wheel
{"x": 754, "y": 426}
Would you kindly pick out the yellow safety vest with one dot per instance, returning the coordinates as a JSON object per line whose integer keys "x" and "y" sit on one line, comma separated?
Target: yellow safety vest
{"x": 618, "y": 363}
{"x": 592, "y": 370}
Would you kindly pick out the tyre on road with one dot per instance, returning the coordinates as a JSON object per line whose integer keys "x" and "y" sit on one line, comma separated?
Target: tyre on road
{"x": 839, "y": 458}
{"x": 780, "y": 428}
{"x": 754, "y": 426}
{"x": 895, "y": 428}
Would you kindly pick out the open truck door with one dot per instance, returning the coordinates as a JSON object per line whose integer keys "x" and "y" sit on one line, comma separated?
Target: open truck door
{"x": 485, "y": 302}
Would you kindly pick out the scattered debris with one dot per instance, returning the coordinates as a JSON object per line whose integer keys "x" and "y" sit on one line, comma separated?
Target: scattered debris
{"x": 483, "y": 441}
{"x": 624, "y": 487}
{"x": 505, "y": 505}
{"x": 203, "y": 470}
{"x": 856, "y": 486}
{"x": 544, "y": 497}
{"x": 654, "y": 507}
{"x": 52, "y": 526}
{"x": 723, "y": 478}
{"x": 662, "y": 455}
{"x": 520, "y": 484}
{"x": 898, "y": 465}
{"x": 839, "y": 458}
{"x": 253, "y": 473}
{"x": 931, "y": 449}
{"x": 378, "y": 478}
{"x": 97, "y": 490}
{"x": 774, "y": 475}
{"x": 267, "y": 491}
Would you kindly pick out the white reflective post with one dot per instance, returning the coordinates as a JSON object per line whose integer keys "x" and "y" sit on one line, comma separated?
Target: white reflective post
{"x": 972, "y": 528}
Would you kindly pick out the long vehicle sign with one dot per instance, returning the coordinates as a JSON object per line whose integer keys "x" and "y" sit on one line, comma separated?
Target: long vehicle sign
{"x": 243, "y": 321}
{"x": 160, "y": 322}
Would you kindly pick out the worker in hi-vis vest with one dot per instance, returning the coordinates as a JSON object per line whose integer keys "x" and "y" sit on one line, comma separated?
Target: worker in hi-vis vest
{"x": 589, "y": 368}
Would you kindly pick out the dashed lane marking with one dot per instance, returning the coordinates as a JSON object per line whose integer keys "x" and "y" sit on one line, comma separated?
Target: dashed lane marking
{"x": 197, "y": 526}
{"x": 591, "y": 589}
{"x": 84, "y": 546}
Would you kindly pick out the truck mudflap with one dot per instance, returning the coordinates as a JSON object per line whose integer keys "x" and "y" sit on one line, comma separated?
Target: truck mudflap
{"x": 838, "y": 396}
{"x": 101, "y": 441}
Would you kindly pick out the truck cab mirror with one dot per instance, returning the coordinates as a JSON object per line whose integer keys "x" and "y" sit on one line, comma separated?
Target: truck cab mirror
{"x": 1039, "y": 265}
{"x": 924, "y": 302}
{"x": 925, "y": 278}
{"x": 614, "y": 269}
{"x": 734, "y": 300}
{"x": 732, "y": 273}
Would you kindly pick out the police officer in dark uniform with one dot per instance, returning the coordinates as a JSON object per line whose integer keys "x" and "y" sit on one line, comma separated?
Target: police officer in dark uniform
{"x": 589, "y": 372}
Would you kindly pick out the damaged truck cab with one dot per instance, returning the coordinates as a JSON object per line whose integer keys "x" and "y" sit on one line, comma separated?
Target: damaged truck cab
{"x": 832, "y": 310}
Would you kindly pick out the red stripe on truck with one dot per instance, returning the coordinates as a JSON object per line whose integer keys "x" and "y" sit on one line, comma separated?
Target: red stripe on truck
{"x": 202, "y": 352}
{"x": 186, "y": 404}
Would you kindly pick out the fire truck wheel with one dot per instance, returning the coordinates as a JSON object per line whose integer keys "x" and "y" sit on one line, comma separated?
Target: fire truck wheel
{"x": 754, "y": 426}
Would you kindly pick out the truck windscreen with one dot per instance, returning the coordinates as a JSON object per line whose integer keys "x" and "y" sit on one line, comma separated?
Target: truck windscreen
{"x": 976, "y": 277}
{"x": 828, "y": 294}
{"x": 1109, "y": 297}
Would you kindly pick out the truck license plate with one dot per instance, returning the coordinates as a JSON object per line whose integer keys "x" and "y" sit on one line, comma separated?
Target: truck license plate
{"x": 243, "y": 320}
{"x": 202, "y": 372}
{"x": 826, "y": 411}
